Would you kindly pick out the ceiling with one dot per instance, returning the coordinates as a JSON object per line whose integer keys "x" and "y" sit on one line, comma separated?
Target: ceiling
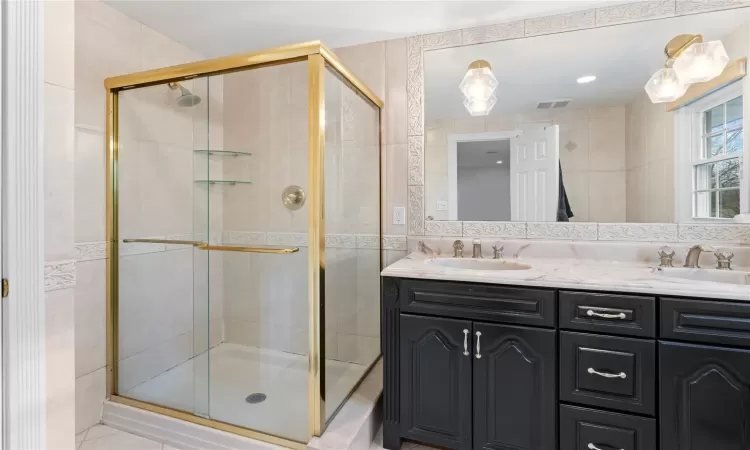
{"x": 545, "y": 68}
{"x": 477, "y": 154}
{"x": 219, "y": 28}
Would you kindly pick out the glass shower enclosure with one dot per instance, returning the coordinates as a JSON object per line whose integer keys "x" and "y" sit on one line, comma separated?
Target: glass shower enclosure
{"x": 244, "y": 240}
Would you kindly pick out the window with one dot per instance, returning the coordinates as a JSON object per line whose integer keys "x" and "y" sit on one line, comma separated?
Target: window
{"x": 717, "y": 158}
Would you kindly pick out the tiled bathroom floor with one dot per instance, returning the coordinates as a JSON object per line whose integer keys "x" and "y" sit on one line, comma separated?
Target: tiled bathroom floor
{"x": 237, "y": 371}
{"x": 102, "y": 437}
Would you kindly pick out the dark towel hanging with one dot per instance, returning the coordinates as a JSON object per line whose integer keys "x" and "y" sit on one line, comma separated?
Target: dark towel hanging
{"x": 564, "y": 213}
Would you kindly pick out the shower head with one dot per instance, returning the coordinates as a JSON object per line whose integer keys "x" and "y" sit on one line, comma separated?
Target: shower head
{"x": 186, "y": 98}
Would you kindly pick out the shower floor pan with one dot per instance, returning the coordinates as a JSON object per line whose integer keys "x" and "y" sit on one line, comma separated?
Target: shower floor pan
{"x": 237, "y": 372}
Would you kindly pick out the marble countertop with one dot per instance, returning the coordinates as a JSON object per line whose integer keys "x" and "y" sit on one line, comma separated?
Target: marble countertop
{"x": 574, "y": 274}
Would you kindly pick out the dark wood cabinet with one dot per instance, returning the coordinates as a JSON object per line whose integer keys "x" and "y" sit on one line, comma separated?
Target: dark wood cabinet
{"x": 488, "y": 367}
{"x": 514, "y": 388}
{"x": 704, "y": 397}
{"x": 436, "y": 380}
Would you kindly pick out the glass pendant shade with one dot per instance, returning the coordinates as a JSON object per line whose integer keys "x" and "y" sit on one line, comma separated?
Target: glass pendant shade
{"x": 665, "y": 86}
{"x": 478, "y": 86}
{"x": 480, "y": 107}
{"x": 702, "y": 61}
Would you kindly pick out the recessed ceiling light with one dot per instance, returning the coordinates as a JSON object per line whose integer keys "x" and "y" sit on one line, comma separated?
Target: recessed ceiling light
{"x": 499, "y": 162}
{"x": 586, "y": 79}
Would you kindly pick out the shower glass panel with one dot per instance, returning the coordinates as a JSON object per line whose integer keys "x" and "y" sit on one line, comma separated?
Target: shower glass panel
{"x": 164, "y": 284}
{"x": 243, "y": 241}
{"x": 259, "y": 373}
{"x": 352, "y": 250}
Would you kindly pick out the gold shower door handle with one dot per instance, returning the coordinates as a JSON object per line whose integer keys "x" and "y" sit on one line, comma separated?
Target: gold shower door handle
{"x": 162, "y": 241}
{"x": 237, "y": 248}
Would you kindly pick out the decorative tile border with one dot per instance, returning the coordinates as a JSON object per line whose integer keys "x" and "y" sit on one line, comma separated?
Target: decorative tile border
{"x": 293, "y": 239}
{"x": 579, "y": 20}
{"x": 684, "y": 7}
{"x": 642, "y": 232}
{"x": 59, "y": 275}
{"x": 634, "y": 12}
{"x": 716, "y": 233}
{"x": 619, "y": 232}
{"x": 491, "y": 33}
{"x": 394, "y": 242}
{"x": 443, "y": 228}
{"x": 495, "y": 229}
{"x": 561, "y": 231}
{"x": 244, "y": 237}
{"x": 342, "y": 240}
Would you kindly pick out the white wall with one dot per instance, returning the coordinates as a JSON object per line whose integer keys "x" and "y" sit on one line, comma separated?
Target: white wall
{"x": 484, "y": 193}
{"x": 59, "y": 250}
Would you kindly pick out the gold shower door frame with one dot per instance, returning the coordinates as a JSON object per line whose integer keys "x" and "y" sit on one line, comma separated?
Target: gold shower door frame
{"x": 318, "y": 57}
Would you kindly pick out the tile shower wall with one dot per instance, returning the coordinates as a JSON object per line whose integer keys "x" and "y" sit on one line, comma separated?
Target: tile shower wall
{"x": 159, "y": 316}
{"x": 266, "y": 295}
{"x": 592, "y": 155}
{"x": 59, "y": 251}
{"x": 649, "y": 159}
{"x": 266, "y": 114}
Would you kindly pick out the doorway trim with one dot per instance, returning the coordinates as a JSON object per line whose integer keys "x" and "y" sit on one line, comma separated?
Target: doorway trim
{"x": 453, "y": 141}
{"x": 23, "y": 327}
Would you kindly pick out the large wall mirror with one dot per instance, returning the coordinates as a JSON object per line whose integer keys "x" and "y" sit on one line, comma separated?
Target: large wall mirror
{"x": 571, "y": 133}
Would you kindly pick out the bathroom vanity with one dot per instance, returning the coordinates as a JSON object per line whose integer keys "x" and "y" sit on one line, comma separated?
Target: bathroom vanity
{"x": 529, "y": 365}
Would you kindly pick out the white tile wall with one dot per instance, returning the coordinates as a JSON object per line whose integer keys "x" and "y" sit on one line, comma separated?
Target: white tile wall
{"x": 59, "y": 106}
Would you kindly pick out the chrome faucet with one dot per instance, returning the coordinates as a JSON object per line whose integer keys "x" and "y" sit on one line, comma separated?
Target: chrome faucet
{"x": 477, "y": 249}
{"x": 694, "y": 254}
{"x": 458, "y": 249}
{"x": 497, "y": 251}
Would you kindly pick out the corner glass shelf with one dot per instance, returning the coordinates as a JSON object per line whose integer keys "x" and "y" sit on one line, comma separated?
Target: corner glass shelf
{"x": 223, "y": 182}
{"x": 222, "y": 153}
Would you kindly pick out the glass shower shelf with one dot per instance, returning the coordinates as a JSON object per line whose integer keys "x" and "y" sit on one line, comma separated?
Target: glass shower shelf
{"x": 222, "y": 153}
{"x": 229, "y": 182}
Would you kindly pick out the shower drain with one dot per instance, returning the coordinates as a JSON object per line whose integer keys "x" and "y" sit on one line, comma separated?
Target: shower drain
{"x": 255, "y": 398}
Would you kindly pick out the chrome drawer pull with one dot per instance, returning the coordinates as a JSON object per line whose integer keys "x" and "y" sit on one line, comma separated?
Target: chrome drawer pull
{"x": 592, "y": 313}
{"x": 479, "y": 335}
{"x": 593, "y": 371}
{"x": 591, "y": 446}
{"x": 466, "y": 342}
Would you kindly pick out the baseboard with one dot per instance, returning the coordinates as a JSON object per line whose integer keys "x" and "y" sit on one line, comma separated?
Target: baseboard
{"x": 355, "y": 425}
{"x": 175, "y": 432}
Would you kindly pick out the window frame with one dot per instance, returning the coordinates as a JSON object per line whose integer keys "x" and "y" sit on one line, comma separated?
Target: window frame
{"x": 689, "y": 134}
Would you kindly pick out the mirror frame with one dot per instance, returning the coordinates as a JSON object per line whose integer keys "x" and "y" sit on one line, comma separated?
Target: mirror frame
{"x": 537, "y": 26}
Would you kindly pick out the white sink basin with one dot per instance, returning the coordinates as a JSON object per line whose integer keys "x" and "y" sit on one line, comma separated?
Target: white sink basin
{"x": 716, "y": 276}
{"x": 478, "y": 264}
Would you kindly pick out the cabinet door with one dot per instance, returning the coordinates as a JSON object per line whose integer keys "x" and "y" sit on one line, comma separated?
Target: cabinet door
{"x": 515, "y": 388}
{"x": 436, "y": 381}
{"x": 704, "y": 397}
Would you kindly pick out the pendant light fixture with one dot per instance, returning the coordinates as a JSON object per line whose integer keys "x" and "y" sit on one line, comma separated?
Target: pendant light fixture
{"x": 689, "y": 61}
{"x": 478, "y": 86}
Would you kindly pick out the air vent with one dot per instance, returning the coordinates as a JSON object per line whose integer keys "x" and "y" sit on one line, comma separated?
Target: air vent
{"x": 552, "y": 104}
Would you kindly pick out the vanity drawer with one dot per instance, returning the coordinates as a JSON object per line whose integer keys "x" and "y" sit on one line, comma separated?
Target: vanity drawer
{"x": 611, "y": 372}
{"x": 630, "y": 315}
{"x": 717, "y": 322}
{"x": 580, "y": 428}
{"x": 479, "y": 301}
